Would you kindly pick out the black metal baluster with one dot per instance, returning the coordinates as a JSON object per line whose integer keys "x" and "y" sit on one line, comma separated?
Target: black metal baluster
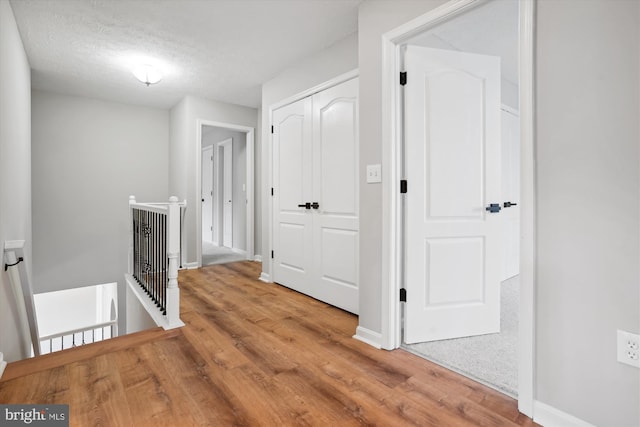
{"x": 150, "y": 261}
{"x": 135, "y": 244}
{"x": 148, "y": 252}
{"x": 151, "y": 256}
{"x": 157, "y": 263}
{"x": 164, "y": 264}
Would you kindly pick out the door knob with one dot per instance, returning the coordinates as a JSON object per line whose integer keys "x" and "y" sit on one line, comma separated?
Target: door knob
{"x": 509, "y": 204}
{"x": 315, "y": 205}
{"x": 306, "y": 205}
{"x": 493, "y": 208}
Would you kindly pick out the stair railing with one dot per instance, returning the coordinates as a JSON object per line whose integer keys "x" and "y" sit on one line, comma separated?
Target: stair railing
{"x": 23, "y": 293}
{"x": 154, "y": 252}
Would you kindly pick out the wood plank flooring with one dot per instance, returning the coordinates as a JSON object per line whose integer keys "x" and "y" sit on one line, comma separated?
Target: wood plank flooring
{"x": 253, "y": 354}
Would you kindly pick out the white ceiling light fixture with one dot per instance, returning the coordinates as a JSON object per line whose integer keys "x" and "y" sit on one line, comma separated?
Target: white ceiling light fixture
{"x": 147, "y": 74}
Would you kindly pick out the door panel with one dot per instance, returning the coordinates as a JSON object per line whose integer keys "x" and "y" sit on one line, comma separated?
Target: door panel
{"x": 336, "y": 167}
{"x": 455, "y": 137}
{"x": 339, "y": 245}
{"x": 452, "y": 131}
{"x": 336, "y": 137}
{"x": 292, "y": 233}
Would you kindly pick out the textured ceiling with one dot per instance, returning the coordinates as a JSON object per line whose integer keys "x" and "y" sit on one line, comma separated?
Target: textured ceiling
{"x": 217, "y": 49}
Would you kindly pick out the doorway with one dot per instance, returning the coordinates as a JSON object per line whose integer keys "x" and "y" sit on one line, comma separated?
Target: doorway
{"x": 459, "y": 314}
{"x": 226, "y": 188}
{"x": 449, "y": 28}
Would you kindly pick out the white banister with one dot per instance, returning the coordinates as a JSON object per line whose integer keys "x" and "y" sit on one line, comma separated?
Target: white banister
{"x": 23, "y": 293}
{"x": 154, "y": 252}
{"x": 110, "y": 324}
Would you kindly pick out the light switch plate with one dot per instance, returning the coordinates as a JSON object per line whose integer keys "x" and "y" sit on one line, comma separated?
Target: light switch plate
{"x": 374, "y": 174}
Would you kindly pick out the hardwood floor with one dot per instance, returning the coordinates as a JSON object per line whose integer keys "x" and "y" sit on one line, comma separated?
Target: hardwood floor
{"x": 252, "y": 354}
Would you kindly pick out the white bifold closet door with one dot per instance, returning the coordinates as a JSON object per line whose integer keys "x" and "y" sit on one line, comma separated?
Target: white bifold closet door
{"x": 315, "y": 200}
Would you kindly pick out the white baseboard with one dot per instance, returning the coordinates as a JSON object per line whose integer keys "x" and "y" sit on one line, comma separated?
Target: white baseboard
{"x": 190, "y": 265}
{"x": 239, "y": 251}
{"x": 548, "y": 416}
{"x": 368, "y": 336}
{"x": 264, "y": 277}
{"x": 257, "y": 258}
{"x": 3, "y": 364}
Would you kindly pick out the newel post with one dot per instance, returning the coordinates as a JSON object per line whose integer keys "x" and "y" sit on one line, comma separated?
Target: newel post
{"x": 173, "y": 252}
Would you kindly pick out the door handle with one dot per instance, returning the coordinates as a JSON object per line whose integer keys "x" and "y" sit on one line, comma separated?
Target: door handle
{"x": 493, "y": 208}
{"x": 509, "y": 204}
{"x": 306, "y": 205}
{"x": 315, "y": 205}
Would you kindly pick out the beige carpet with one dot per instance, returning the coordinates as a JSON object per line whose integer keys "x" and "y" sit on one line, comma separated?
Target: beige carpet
{"x": 491, "y": 359}
{"x": 212, "y": 254}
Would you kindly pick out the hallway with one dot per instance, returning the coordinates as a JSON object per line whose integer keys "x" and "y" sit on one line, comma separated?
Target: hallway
{"x": 252, "y": 354}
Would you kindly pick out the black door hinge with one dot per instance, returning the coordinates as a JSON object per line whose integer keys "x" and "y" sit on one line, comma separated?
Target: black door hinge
{"x": 271, "y": 128}
{"x": 272, "y": 191}
{"x": 403, "y": 186}
{"x": 403, "y": 295}
{"x": 403, "y": 78}
{"x": 272, "y": 254}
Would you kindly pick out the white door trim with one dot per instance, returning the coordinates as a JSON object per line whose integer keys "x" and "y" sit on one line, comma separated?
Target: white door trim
{"x": 391, "y": 200}
{"x": 267, "y": 261}
{"x": 249, "y": 178}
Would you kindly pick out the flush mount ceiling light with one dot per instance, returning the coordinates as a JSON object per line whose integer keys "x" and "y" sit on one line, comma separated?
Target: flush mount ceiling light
{"x": 147, "y": 74}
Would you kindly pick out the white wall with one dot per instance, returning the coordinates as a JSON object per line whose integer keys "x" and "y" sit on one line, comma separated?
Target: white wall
{"x": 88, "y": 156}
{"x": 588, "y": 214}
{"x": 213, "y": 136}
{"x": 138, "y": 318}
{"x": 335, "y": 60}
{"x": 185, "y": 149}
{"x": 61, "y": 311}
{"x": 178, "y": 151}
{"x": 15, "y": 168}
{"x": 375, "y": 18}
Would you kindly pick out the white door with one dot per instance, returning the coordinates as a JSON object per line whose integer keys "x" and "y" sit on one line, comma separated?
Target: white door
{"x": 292, "y": 181}
{"x": 453, "y": 244}
{"x": 315, "y": 200}
{"x": 227, "y": 192}
{"x": 510, "y": 194}
{"x": 207, "y": 194}
{"x": 335, "y": 189}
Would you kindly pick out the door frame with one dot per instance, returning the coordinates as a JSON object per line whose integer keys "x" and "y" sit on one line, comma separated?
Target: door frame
{"x": 392, "y": 156}
{"x": 267, "y": 262}
{"x": 250, "y": 147}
